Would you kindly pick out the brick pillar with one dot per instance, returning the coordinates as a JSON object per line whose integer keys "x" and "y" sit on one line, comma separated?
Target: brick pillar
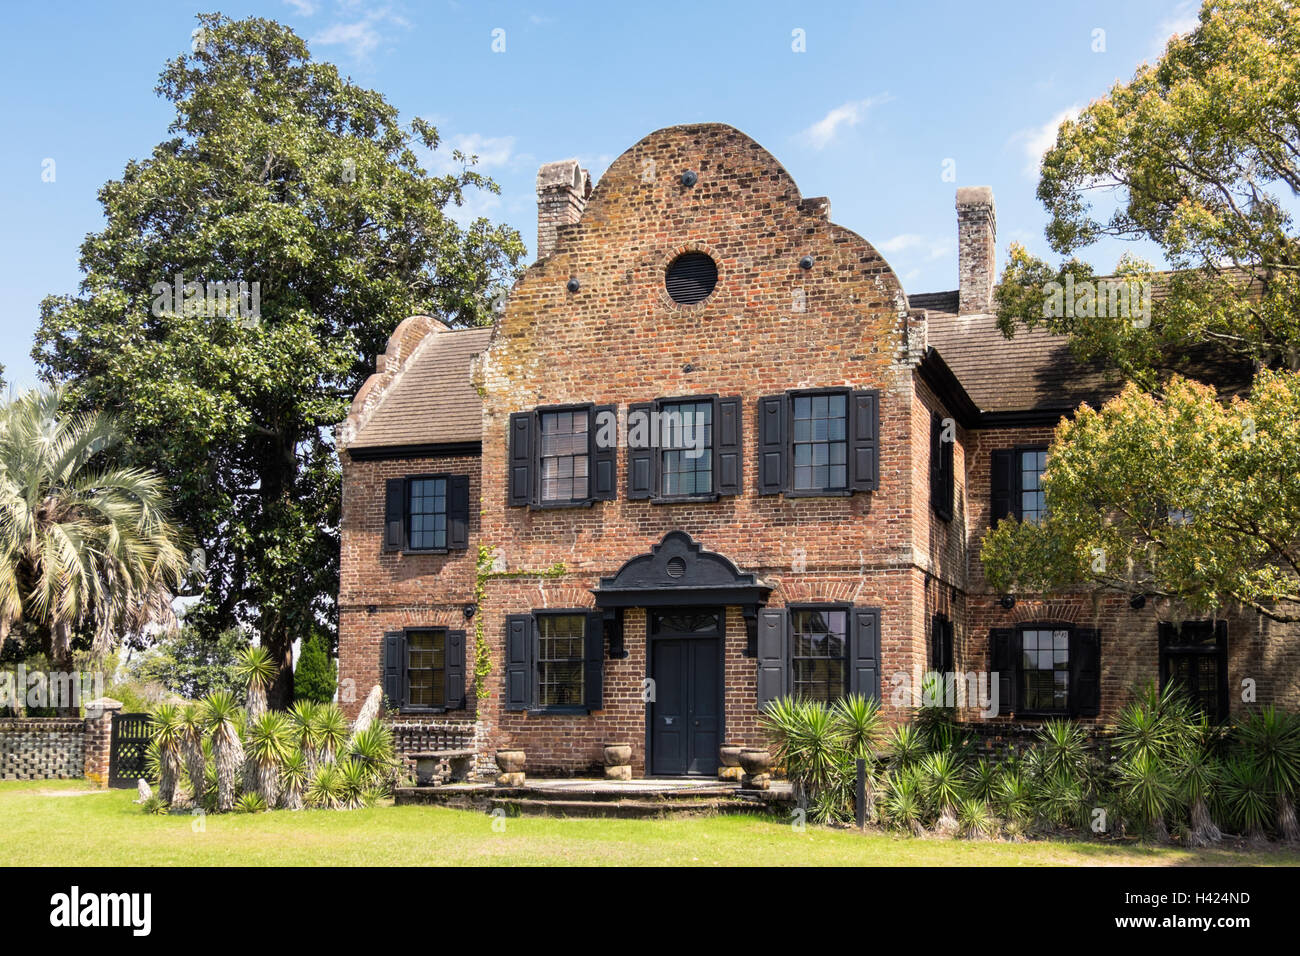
{"x": 99, "y": 736}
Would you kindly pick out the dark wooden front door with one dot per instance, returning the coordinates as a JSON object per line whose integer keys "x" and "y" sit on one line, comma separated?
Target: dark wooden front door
{"x": 686, "y": 713}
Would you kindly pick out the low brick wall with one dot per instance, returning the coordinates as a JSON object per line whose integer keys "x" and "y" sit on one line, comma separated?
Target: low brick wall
{"x": 413, "y": 735}
{"x": 1001, "y": 740}
{"x": 42, "y": 748}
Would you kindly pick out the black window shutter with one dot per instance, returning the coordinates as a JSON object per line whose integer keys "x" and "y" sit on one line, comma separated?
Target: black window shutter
{"x": 519, "y": 660}
{"x": 458, "y": 512}
{"x": 773, "y": 656}
{"x": 726, "y": 446}
{"x": 1085, "y": 672}
{"x": 864, "y": 432}
{"x": 593, "y": 676}
{"x": 864, "y": 653}
{"x": 454, "y": 672}
{"x": 771, "y": 445}
{"x": 640, "y": 460}
{"x": 1004, "y": 474}
{"x": 522, "y": 439}
{"x": 394, "y": 514}
{"x": 1003, "y": 656}
{"x": 936, "y": 462}
{"x": 1165, "y": 632}
{"x": 1221, "y": 640}
{"x": 395, "y": 668}
{"x": 941, "y": 649}
{"x": 604, "y": 460}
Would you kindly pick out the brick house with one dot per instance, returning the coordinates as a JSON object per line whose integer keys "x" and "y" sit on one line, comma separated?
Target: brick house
{"x": 712, "y": 452}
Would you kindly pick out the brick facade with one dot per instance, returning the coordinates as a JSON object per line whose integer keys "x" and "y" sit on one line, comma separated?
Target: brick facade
{"x": 615, "y": 337}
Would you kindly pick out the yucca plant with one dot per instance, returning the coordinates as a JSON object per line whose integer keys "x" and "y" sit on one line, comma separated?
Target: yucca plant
{"x": 903, "y": 803}
{"x": 154, "y": 806}
{"x": 1247, "y": 796}
{"x": 268, "y": 747}
{"x": 1272, "y": 740}
{"x": 250, "y": 803}
{"x": 192, "y": 749}
{"x": 809, "y": 741}
{"x": 354, "y": 784}
{"x": 373, "y": 748}
{"x": 906, "y": 746}
{"x": 331, "y": 732}
{"x": 1155, "y": 722}
{"x": 981, "y": 779}
{"x": 976, "y": 818}
{"x": 326, "y": 787}
{"x": 294, "y": 778}
{"x": 1060, "y": 798}
{"x": 255, "y": 671}
{"x": 942, "y": 775}
{"x": 302, "y": 726}
{"x": 221, "y": 716}
{"x": 1064, "y": 746}
{"x": 1014, "y": 795}
{"x": 1147, "y": 789}
{"x": 1197, "y": 771}
{"x": 168, "y": 730}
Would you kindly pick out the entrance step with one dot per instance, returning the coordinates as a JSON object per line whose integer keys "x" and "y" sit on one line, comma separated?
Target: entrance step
{"x": 615, "y": 809}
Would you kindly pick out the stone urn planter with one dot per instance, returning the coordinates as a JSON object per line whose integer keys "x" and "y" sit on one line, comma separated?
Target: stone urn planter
{"x": 729, "y": 758}
{"x": 618, "y": 761}
{"x": 757, "y": 765}
{"x": 511, "y": 764}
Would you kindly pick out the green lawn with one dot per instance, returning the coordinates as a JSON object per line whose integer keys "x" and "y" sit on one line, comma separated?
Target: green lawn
{"x": 52, "y": 823}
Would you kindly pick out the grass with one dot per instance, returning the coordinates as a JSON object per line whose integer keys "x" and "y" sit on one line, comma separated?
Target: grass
{"x": 55, "y": 823}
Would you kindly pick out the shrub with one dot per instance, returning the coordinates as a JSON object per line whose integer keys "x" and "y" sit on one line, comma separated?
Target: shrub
{"x": 315, "y": 677}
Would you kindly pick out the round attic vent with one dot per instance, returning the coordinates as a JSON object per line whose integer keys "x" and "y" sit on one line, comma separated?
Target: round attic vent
{"x": 676, "y": 566}
{"x": 691, "y": 278}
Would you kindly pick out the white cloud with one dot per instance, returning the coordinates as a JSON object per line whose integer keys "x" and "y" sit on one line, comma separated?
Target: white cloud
{"x": 361, "y": 37}
{"x": 1183, "y": 19}
{"x": 823, "y": 132}
{"x": 493, "y": 152}
{"x": 1037, "y": 140}
{"x": 930, "y": 247}
{"x": 304, "y": 7}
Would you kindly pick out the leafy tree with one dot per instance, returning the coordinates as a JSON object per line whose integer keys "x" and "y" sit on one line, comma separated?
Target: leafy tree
{"x": 87, "y": 548}
{"x": 315, "y": 679}
{"x": 280, "y": 172}
{"x": 193, "y": 666}
{"x": 1174, "y": 487}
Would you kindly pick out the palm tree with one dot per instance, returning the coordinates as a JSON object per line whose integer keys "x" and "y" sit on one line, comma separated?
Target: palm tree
{"x": 195, "y": 759}
{"x": 220, "y": 713}
{"x": 169, "y": 735}
{"x": 84, "y": 545}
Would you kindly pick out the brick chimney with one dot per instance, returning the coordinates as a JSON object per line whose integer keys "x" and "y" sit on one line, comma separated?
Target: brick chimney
{"x": 562, "y": 191}
{"x": 977, "y": 234}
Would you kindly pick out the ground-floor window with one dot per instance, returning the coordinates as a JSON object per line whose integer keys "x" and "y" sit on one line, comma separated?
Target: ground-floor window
{"x": 559, "y": 659}
{"x": 426, "y": 657}
{"x": 1045, "y": 669}
{"x": 1194, "y": 655}
{"x": 819, "y": 653}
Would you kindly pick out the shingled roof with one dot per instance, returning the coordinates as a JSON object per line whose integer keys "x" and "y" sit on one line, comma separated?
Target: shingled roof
{"x": 420, "y": 394}
{"x": 1033, "y": 371}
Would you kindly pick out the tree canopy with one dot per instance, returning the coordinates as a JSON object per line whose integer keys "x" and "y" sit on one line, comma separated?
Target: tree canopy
{"x": 282, "y": 175}
{"x": 1178, "y": 487}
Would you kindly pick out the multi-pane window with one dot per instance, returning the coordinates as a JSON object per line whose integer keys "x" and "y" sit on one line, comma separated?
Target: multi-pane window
{"x": 1033, "y": 499}
{"x": 1044, "y": 669}
{"x": 426, "y": 513}
{"x": 565, "y": 455}
{"x": 686, "y": 433}
{"x": 560, "y": 660}
{"x": 819, "y": 653}
{"x": 1193, "y": 656}
{"x": 426, "y": 662}
{"x": 820, "y": 442}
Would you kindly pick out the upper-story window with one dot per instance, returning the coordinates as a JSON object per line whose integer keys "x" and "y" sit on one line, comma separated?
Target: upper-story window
{"x": 683, "y": 449}
{"x": 1018, "y": 484}
{"x": 426, "y": 513}
{"x": 819, "y": 442}
{"x": 563, "y": 456}
{"x": 942, "y": 440}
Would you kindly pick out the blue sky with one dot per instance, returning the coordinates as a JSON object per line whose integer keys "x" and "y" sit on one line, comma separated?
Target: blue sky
{"x": 882, "y": 101}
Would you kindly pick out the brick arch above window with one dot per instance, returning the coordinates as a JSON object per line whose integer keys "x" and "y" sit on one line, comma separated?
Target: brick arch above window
{"x": 1042, "y": 612}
